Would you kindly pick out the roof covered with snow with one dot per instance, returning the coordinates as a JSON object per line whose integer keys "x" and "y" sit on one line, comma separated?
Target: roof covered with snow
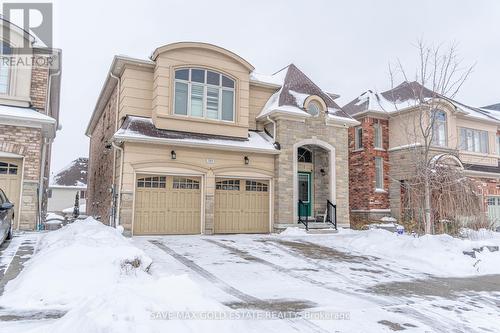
{"x": 495, "y": 107}
{"x": 16, "y": 115}
{"x": 141, "y": 129}
{"x": 405, "y": 95}
{"x": 73, "y": 175}
{"x": 295, "y": 88}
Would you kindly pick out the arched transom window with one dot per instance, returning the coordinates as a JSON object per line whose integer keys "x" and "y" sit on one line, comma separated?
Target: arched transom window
{"x": 304, "y": 155}
{"x": 204, "y": 93}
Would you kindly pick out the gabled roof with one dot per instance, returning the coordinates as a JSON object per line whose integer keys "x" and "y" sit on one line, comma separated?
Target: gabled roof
{"x": 406, "y": 95}
{"x": 73, "y": 175}
{"x": 295, "y": 88}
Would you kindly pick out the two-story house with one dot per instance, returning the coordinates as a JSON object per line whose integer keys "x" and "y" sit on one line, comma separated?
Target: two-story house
{"x": 381, "y": 147}
{"x": 194, "y": 141}
{"x": 29, "y": 113}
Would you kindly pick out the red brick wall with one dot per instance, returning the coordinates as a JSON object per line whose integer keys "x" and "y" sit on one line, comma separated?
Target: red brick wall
{"x": 362, "y": 195}
{"x": 100, "y": 176}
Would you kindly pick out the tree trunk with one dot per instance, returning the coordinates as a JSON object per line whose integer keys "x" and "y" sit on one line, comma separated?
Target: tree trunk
{"x": 427, "y": 207}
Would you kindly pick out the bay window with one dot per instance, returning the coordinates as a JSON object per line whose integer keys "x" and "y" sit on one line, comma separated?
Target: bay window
{"x": 474, "y": 140}
{"x": 204, "y": 93}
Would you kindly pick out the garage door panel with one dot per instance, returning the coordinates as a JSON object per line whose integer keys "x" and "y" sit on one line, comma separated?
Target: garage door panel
{"x": 241, "y": 206}
{"x": 170, "y": 205}
{"x": 10, "y": 180}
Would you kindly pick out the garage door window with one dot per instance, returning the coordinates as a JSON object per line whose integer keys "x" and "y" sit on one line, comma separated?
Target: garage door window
{"x": 228, "y": 185}
{"x": 186, "y": 183}
{"x": 255, "y": 186}
{"x": 8, "y": 169}
{"x": 152, "y": 182}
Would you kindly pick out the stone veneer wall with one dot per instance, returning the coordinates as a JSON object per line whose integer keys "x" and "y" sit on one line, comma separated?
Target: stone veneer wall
{"x": 100, "y": 173}
{"x": 25, "y": 141}
{"x": 288, "y": 133}
{"x": 367, "y": 205}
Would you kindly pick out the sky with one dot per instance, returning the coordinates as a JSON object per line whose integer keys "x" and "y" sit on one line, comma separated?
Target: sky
{"x": 343, "y": 46}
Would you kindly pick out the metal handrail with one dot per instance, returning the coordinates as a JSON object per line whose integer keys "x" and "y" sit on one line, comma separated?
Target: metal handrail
{"x": 301, "y": 220}
{"x": 331, "y": 213}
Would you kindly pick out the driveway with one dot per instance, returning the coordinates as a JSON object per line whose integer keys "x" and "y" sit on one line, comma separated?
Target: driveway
{"x": 334, "y": 290}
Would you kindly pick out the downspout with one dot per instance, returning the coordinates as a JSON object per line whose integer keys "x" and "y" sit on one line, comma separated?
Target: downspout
{"x": 274, "y": 129}
{"x": 41, "y": 187}
{"x": 117, "y": 208}
{"x": 118, "y": 201}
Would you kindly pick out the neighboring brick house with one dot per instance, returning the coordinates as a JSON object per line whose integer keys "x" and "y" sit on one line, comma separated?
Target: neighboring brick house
{"x": 194, "y": 141}
{"x": 381, "y": 148}
{"x": 29, "y": 113}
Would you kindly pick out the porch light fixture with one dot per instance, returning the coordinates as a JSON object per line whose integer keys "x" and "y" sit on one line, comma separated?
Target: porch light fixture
{"x": 173, "y": 154}
{"x": 247, "y": 160}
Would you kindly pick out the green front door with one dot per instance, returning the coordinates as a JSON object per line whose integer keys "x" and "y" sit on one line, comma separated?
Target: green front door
{"x": 305, "y": 193}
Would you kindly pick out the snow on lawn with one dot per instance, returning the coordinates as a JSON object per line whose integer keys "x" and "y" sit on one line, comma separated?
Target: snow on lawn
{"x": 101, "y": 278}
{"x": 440, "y": 255}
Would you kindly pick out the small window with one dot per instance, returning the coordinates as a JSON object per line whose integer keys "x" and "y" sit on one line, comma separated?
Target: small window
{"x": 8, "y": 168}
{"x": 313, "y": 108}
{"x": 491, "y": 201}
{"x": 377, "y": 135}
{"x": 254, "y": 186}
{"x": 83, "y": 194}
{"x": 304, "y": 155}
{"x": 379, "y": 173}
{"x": 358, "y": 137}
{"x": 49, "y": 193}
{"x": 439, "y": 135}
{"x": 186, "y": 183}
{"x": 152, "y": 182}
{"x": 228, "y": 185}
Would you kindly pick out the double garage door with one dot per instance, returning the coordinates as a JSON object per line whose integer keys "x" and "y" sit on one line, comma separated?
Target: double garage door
{"x": 170, "y": 205}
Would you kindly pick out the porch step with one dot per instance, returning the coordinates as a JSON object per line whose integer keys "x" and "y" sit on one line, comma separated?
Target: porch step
{"x": 322, "y": 231}
{"x": 314, "y": 227}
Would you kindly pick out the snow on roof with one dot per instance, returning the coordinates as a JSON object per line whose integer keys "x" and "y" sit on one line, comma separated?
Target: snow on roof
{"x": 142, "y": 129}
{"x": 275, "y": 79}
{"x": 21, "y": 113}
{"x": 74, "y": 175}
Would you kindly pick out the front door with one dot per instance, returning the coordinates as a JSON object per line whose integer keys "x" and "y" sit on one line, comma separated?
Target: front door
{"x": 305, "y": 193}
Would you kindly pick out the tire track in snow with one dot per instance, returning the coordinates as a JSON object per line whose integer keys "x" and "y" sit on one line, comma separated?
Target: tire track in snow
{"x": 250, "y": 300}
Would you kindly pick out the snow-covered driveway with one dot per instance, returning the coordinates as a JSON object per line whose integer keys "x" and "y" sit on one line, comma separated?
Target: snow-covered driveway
{"x": 325, "y": 275}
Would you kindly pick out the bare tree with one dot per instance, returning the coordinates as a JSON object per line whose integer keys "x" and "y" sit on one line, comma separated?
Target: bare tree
{"x": 437, "y": 79}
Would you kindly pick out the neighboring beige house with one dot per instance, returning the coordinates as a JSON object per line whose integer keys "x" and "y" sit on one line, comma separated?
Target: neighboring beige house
{"x": 381, "y": 148}
{"x": 194, "y": 141}
{"x": 66, "y": 184}
{"x": 29, "y": 112}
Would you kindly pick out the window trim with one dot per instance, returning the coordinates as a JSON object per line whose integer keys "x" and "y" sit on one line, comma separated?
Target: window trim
{"x": 381, "y": 175}
{"x": 465, "y": 148}
{"x": 205, "y": 85}
{"x": 357, "y": 138}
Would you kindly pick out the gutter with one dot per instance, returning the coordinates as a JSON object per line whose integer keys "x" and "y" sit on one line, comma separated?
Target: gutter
{"x": 116, "y": 209}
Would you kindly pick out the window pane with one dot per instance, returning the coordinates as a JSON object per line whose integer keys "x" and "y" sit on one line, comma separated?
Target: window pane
{"x": 4, "y": 79}
{"x": 198, "y": 75}
{"x": 227, "y": 105}
{"x": 181, "y": 97}
{"x": 227, "y": 82}
{"x": 182, "y": 74}
{"x": 197, "y": 100}
{"x": 213, "y": 78}
{"x": 379, "y": 173}
{"x": 213, "y": 103}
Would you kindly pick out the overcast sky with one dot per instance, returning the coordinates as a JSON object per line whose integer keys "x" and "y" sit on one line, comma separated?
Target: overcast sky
{"x": 344, "y": 46}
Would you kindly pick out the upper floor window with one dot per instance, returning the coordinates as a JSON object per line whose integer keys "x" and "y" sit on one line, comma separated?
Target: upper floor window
{"x": 439, "y": 137}
{"x": 358, "y": 137}
{"x": 379, "y": 173}
{"x": 204, "y": 94}
{"x": 474, "y": 140}
{"x": 377, "y": 135}
{"x": 4, "y": 69}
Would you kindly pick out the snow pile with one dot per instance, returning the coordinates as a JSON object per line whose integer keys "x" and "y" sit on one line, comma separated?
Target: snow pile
{"x": 293, "y": 231}
{"x": 84, "y": 258}
{"x": 440, "y": 255}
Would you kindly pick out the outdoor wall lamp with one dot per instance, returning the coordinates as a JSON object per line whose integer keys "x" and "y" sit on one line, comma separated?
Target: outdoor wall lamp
{"x": 173, "y": 154}
{"x": 322, "y": 171}
{"x": 247, "y": 160}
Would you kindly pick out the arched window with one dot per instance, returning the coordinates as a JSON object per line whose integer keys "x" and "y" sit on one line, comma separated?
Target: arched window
{"x": 5, "y": 51}
{"x": 204, "y": 93}
{"x": 304, "y": 155}
{"x": 313, "y": 108}
{"x": 439, "y": 132}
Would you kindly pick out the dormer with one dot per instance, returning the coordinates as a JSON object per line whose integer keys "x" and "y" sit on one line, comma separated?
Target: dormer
{"x": 202, "y": 88}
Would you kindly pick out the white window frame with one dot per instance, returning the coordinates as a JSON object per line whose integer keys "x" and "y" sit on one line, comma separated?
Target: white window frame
{"x": 377, "y": 140}
{"x": 470, "y": 146}
{"x": 379, "y": 174}
{"x": 205, "y": 85}
{"x": 358, "y": 134}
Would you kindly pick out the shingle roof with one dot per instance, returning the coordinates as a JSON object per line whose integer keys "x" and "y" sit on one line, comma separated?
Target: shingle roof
{"x": 492, "y": 107}
{"x": 295, "y": 88}
{"x": 75, "y": 174}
